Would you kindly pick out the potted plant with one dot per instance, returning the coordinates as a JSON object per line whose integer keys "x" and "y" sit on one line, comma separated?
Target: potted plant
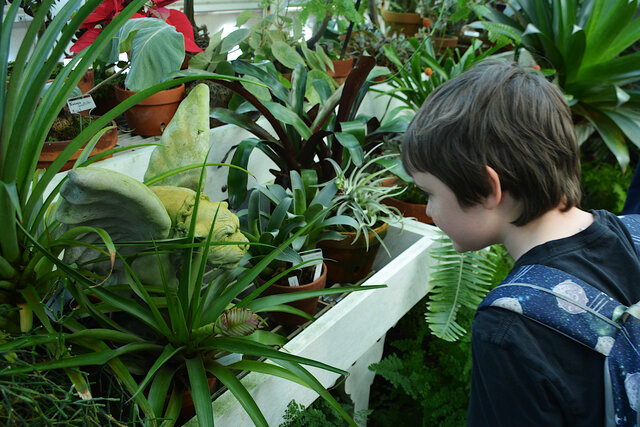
{"x": 156, "y": 47}
{"x": 67, "y": 126}
{"x": 402, "y": 17}
{"x": 302, "y": 132}
{"x": 156, "y": 50}
{"x": 360, "y": 195}
{"x": 446, "y": 19}
{"x": 286, "y": 212}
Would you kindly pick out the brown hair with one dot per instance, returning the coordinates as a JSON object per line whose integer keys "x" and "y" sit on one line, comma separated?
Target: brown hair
{"x": 501, "y": 115}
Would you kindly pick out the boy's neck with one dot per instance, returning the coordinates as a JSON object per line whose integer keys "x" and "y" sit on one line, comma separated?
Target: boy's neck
{"x": 552, "y": 225}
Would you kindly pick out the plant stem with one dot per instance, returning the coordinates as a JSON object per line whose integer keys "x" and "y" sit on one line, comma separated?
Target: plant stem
{"x": 26, "y": 317}
{"x": 105, "y": 81}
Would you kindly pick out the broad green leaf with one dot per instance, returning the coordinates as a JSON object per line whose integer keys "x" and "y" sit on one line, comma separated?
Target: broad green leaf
{"x": 234, "y": 39}
{"x": 156, "y": 49}
{"x": 289, "y": 117}
{"x": 286, "y": 54}
{"x": 243, "y": 17}
{"x": 351, "y": 143}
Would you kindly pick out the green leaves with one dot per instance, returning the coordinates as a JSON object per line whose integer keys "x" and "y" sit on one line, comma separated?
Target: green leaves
{"x": 286, "y": 54}
{"x": 585, "y": 42}
{"x": 156, "y": 49}
{"x": 458, "y": 280}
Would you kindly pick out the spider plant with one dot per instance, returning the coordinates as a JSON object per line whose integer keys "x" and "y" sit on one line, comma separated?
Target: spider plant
{"x": 585, "y": 42}
{"x": 25, "y": 120}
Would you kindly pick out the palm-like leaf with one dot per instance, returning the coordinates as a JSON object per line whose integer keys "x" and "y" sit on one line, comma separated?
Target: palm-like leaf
{"x": 459, "y": 281}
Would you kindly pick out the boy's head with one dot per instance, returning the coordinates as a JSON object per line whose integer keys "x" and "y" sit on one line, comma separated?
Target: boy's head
{"x": 501, "y": 115}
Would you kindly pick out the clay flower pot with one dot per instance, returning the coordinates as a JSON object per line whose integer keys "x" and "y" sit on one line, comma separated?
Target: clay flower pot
{"x": 341, "y": 69}
{"x": 349, "y": 261}
{"x": 307, "y": 305}
{"x": 150, "y": 116}
{"x": 400, "y": 22}
{"x": 407, "y": 209}
{"x": 52, "y": 149}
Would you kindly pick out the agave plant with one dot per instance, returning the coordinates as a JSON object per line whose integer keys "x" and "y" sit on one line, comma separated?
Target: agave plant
{"x": 585, "y": 42}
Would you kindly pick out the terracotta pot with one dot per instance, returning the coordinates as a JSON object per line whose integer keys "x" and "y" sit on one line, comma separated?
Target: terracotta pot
{"x": 86, "y": 82}
{"x": 52, "y": 149}
{"x": 150, "y": 116}
{"x": 349, "y": 261}
{"x": 406, "y": 23}
{"x": 341, "y": 69}
{"x": 407, "y": 209}
{"x": 307, "y": 305}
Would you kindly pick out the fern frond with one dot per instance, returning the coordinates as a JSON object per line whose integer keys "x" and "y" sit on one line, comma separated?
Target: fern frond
{"x": 458, "y": 281}
{"x": 501, "y": 33}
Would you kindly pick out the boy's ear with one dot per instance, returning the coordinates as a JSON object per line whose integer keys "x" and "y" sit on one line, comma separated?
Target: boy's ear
{"x": 495, "y": 197}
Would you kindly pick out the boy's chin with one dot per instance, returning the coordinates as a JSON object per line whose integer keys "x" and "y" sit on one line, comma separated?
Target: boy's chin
{"x": 462, "y": 248}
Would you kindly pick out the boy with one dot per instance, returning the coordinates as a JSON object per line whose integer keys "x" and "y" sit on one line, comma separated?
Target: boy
{"x": 495, "y": 150}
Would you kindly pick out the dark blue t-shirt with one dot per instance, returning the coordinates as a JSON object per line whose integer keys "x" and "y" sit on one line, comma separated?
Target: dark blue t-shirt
{"x": 525, "y": 374}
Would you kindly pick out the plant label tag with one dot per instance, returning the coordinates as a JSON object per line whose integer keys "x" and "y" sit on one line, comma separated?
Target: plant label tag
{"x": 471, "y": 33}
{"x": 80, "y": 103}
{"x": 293, "y": 281}
{"x": 314, "y": 258}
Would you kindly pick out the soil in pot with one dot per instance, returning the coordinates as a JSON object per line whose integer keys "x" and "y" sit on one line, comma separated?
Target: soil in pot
{"x": 307, "y": 305}
{"x": 349, "y": 261}
{"x": 64, "y": 129}
{"x": 151, "y": 116}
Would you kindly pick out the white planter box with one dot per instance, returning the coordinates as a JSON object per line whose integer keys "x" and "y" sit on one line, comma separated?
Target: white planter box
{"x": 348, "y": 330}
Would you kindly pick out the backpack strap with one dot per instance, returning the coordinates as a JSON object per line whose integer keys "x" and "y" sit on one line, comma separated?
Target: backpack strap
{"x": 560, "y": 301}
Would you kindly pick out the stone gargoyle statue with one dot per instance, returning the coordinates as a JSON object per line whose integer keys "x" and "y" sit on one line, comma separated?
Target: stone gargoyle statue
{"x": 132, "y": 211}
